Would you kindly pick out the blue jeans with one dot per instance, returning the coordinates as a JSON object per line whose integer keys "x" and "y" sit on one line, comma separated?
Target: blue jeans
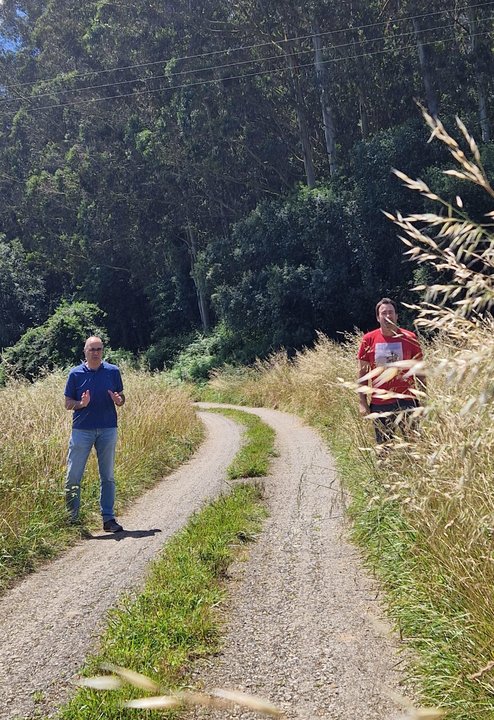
{"x": 104, "y": 441}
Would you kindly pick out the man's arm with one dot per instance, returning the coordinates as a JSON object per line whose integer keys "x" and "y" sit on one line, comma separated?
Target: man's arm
{"x": 363, "y": 369}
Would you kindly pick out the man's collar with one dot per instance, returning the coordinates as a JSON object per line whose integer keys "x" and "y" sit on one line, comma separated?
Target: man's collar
{"x": 93, "y": 369}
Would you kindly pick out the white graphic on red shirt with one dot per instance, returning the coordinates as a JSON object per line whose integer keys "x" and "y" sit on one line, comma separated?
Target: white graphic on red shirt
{"x": 386, "y": 353}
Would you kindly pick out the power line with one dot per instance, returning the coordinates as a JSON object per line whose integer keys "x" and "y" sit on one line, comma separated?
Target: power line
{"x": 246, "y": 47}
{"x": 258, "y": 73}
{"x": 215, "y": 67}
{"x": 223, "y": 66}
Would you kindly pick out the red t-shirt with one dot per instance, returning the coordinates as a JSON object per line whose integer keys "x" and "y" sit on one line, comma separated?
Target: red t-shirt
{"x": 380, "y": 350}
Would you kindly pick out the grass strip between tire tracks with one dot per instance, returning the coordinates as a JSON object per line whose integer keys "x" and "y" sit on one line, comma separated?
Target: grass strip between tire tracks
{"x": 177, "y": 616}
{"x": 253, "y": 458}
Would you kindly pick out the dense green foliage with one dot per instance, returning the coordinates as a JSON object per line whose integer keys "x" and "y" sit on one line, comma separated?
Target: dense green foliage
{"x": 308, "y": 262}
{"x": 202, "y": 354}
{"x": 21, "y": 293}
{"x": 58, "y": 343}
{"x": 186, "y": 165}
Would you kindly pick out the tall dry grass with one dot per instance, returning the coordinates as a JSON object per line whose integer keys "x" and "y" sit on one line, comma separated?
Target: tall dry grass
{"x": 158, "y": 429}
{"x": 308, "y": 383}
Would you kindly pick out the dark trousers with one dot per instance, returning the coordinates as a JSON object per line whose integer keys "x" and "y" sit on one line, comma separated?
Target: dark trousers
{"x": 386, "y": 427}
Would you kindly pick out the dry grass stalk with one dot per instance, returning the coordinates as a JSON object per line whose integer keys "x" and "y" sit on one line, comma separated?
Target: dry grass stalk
{"x": 453, "y": 244}
{"x": 143, "y": 682}
{"x": 218, "y": 698}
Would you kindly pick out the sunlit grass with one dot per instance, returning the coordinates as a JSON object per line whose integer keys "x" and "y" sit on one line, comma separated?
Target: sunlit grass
{"x": 158, "y": 430}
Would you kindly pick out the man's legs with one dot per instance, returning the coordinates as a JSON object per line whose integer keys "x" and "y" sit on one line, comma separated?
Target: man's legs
{"x": 105, "y": 444}
{"x": 80, "y": 444}
{"x": 408, "y": 424}
{"x": 386, "y": 428}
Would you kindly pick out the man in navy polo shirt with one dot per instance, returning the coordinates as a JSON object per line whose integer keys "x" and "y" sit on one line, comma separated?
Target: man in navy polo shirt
{"x": 92, "y": 391}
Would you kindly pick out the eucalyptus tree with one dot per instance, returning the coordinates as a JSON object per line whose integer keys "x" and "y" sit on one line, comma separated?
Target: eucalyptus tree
{"x": 21, "y": 293}
{"x": 283, "y": 30}
{"x": 453, "y": 47}
{"x": 134, "y": 137}
{"x": 479, "y": 20}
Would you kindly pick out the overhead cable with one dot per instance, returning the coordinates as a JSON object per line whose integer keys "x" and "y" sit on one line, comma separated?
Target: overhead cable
{"x": 163, "y": 61}
{"x": 217, "y": 80}
{"x": 240, "y": 63}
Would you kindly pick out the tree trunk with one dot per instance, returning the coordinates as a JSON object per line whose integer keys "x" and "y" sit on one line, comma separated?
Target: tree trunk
{"x": 198, "y": 279}
{"x": 327, "y": 111}
{"x": 302, "y": 122}
{"x": 485, "y": 127}
{"x": 364, "y": 119}
{"x": 481, "y": 77}
{"x": 362, "y": 100}
{"x": 426, "y": 68}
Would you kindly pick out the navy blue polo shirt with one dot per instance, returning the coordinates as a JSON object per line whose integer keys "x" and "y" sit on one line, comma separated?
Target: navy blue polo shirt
{"x": 101, "y": 411}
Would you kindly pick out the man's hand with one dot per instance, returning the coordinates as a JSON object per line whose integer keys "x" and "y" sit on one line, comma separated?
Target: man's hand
{"x": 71, "y": 404}
{"x": 363, "y": 408}
{"x": 118, "y": 398}
{"x": 85, "y": 399}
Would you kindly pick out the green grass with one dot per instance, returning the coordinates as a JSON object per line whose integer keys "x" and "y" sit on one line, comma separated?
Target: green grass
{"x": 253, "y": 458}
{"x": 177, "y": 618}
{"x": 431, "y": 619}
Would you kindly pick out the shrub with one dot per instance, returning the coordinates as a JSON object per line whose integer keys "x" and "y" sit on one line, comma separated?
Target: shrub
{"x": 163, "y": 353}
{"x": 56, "y": 343}
{"x": 203, "y": 354}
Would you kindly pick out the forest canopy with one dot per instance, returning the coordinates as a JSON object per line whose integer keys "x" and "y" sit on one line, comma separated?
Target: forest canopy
{"x": 187, "y": 167}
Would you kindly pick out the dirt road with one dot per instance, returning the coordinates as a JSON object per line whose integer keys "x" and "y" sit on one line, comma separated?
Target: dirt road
{"x": 305, "y": 628}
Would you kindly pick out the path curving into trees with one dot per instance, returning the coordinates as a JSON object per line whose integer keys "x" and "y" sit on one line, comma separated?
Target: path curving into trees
{"x": 304, "y": 629}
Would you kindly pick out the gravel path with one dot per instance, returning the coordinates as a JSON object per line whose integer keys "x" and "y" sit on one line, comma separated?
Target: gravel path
{"x": 305, "y": 629}
{"x": 304, "y": 624}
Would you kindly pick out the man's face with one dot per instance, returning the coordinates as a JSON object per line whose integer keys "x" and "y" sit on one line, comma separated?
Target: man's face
{"x": 93, "y": 352}
{"x": 387, "y": 317}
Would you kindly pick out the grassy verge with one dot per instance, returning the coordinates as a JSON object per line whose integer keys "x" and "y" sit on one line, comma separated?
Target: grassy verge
{"x": 429, "y": 613}
{"x": 158, "y": 430}
{"x": 177, "y": 617}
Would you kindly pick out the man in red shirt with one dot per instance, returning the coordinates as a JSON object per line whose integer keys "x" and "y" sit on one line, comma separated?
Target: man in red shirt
{"x": 392, "y": 387}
